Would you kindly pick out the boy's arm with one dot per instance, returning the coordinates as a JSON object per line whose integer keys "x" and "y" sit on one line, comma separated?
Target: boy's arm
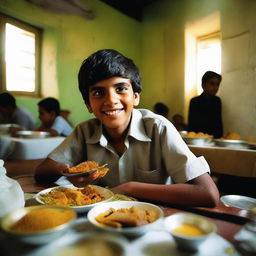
{"x": 49, "y": 171}
{"x": 200, "y": 191}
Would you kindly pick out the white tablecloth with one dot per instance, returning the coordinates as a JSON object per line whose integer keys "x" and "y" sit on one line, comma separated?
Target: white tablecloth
{"x": 238, "y": 162}
{"x": 27, "y": 149}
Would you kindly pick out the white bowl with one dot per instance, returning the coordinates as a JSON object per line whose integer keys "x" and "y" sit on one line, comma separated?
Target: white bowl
{"x": 33, "y": 134}
{"x": 36, "y": 237}
{"x": 130, "y": 231}
{"x": 106, "y": 193}
{"x": 187, "y": 242}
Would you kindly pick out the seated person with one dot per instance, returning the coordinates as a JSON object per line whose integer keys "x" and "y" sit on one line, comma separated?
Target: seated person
{"x": 10, "y": 113}
{"x": 178, "y": 122}
{"x": 142, "y": 149}
{"x": 52, "y": 122}
{"x": 161, "y": 109}
{"x": 205, "y": 110}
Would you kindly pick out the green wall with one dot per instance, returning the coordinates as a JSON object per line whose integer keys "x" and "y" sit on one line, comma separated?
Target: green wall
{"x": 67, "y": 41}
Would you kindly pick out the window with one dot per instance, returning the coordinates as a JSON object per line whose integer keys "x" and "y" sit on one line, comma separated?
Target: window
{"x": 20, "y": 57}
{"x": 208, "y": 56}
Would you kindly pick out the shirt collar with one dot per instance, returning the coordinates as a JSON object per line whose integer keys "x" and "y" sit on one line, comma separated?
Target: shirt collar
{"x": 136, "y": 130}
{"x": 137, "y": 127}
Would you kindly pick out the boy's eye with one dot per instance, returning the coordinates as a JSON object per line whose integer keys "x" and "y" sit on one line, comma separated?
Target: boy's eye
{"x": 121, "y": 88}
{"x": 97, "y": 92}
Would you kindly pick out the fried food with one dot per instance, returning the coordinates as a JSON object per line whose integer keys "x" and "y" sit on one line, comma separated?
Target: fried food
{"x": 87, "y": 166}
{"x": 231, "y": 136}
{"x": 198, "y": 135}
{"x": 126, "y": 217}
{"x": 72, "y": 197}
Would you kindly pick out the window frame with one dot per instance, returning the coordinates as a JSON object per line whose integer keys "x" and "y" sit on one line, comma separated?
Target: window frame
{"x": 38, "y": 41}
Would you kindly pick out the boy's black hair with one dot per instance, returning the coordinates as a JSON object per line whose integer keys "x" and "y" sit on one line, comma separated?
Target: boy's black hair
{"x": 210, "y": 74}
{"x": 105, "y": 64}
{"x": 6, "y": 99}
{"x": 161, "y": 108}
{"x": 50, "y": 105}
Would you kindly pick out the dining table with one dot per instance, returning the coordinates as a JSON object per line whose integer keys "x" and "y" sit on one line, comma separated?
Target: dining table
{"x": 230, "y": 221}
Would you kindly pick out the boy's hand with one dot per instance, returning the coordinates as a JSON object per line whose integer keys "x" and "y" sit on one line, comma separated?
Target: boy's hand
{"x": 83, "y": 181}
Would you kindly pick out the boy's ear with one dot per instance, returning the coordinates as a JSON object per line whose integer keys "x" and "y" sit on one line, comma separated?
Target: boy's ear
{"x": 136, "y": 99}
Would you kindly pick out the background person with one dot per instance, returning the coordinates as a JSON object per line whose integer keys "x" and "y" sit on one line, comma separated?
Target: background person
{"x": 51, "y": 121}
{"x": 142, "y": 149}
{"x": 205, "y": 110}
{"x": 178, "y": 122}
{"x": 161, "y": 109}
{"x": 10, "y": 113}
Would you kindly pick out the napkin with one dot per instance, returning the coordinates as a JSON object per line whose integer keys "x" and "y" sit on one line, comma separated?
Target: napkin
{"x": 63, "y": 181}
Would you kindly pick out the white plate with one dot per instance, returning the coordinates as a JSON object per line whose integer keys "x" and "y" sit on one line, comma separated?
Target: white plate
{"x": 106, "y": 193}
{"x": 241, "y": 202}
{"x": 32, "y": 134}
{"x": 161, "y": 243}
{"x": 131, "y": 231}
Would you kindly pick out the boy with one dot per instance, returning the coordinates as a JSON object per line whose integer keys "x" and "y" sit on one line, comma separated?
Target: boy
{"x": 52, "y": 122}
{"x": 142, "y": 149}
{"x": 13, "y": 114}
{"x": 205, "y": 110}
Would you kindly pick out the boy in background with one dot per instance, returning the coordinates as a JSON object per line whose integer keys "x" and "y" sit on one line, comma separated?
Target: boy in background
{"x": 52, "y": 122}
{"x": 10, "y": 113}
{"x": 142, "y": 149}
{"x": 205, "y": 110}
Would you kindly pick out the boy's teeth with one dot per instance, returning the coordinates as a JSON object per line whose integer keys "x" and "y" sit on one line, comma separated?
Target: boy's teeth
{"x": 115, "y": 112}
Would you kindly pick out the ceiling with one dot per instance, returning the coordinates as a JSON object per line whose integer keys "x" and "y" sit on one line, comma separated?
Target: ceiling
{"x": 132, "y": 8}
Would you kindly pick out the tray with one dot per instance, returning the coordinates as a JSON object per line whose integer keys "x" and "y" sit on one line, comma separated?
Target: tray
{"x": 241, "y": 202}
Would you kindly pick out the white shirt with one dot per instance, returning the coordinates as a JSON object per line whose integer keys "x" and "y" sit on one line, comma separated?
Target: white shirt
{"x": 154, "y": 151}
{"x": 61, "y": 126}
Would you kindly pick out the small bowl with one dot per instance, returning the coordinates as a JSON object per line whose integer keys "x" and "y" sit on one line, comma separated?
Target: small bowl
{"x": 189, "y": 242}
{"x": 43, "y": 236}
{"x": 129, "y": 231}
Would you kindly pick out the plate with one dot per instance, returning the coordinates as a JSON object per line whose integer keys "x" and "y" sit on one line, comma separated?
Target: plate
{"x": 161, "y": 243}
{"x": 197, "y": 141}
{"x": 84, "y": 208}
{"x": 242, "y": 202}
{"x": 236, "y": 144}
{"x": 130, "y": 231}
{"x": 32, "y": 134}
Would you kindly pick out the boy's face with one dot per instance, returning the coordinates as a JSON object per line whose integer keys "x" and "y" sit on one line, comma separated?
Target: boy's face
{"x": 112, "y": 101}
{"x": 211, "y": 86}
{"x": 46, "y": 117}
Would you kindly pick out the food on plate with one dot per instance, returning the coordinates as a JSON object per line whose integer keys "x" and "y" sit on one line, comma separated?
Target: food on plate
{"x": 126, "y": 217}
{"x": 62, "y": 196}
{"x": 189, "y": 230}
{"x": 197, "y": 135}
{"x": 231, "y": 136}
{"x": 42, "y": 219}
{"x": 250, "y": 140}
{"x": 88, "y": 166}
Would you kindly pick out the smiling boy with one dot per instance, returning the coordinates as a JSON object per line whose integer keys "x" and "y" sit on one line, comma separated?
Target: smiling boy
{"x": 142, "y": 149}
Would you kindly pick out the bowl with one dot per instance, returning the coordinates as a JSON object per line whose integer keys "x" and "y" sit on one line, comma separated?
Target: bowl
{"x": 32, "y": 134}
{"x": 106, "y": 193}
{"x": 129, "y": 231}
{"x": 197, "y": 141}
{"x": 25, "y": 225}
{"x": 185, "y": 237}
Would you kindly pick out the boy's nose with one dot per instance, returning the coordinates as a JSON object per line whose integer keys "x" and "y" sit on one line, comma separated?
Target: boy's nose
{"x": 111, "y": 98}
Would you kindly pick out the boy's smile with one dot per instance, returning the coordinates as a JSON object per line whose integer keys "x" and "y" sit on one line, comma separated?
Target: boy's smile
{"x": 112, "y": 101}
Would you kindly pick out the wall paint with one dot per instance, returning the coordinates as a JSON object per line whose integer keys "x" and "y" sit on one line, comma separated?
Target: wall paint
{"x": 163, "y": 60}
{"x": 67, "y": 41}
